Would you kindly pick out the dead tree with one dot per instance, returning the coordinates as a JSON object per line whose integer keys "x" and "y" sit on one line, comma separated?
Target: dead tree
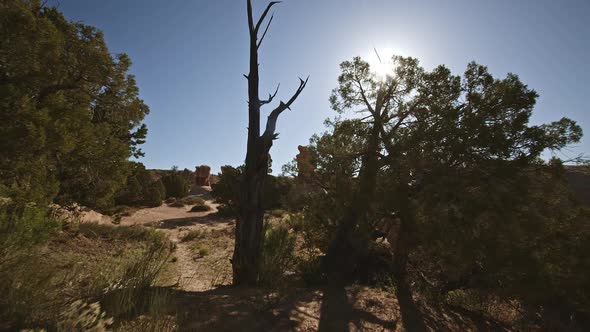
{"x": 245, "y": 261}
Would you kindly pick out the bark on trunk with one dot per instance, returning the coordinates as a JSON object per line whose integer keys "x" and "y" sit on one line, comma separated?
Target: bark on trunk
{"x": 248, "y": 241}
{"x": 249, "y": 226}
{"x": 403, "y": 242}
{"x": 349, "y": 245}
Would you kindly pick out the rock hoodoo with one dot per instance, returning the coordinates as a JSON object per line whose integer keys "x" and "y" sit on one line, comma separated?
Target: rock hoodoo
{"x": 202, "y": 175}
{"x": 305, "y": 165}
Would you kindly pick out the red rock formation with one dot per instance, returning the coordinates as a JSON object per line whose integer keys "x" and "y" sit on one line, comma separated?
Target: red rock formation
{"x": 202, "y": 175}
{"x": 305, "y": 166}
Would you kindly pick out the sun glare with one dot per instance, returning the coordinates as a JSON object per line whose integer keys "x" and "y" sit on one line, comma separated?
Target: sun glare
{"x": 380, "y": 61}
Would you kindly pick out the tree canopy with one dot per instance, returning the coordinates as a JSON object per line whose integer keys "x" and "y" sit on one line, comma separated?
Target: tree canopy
{"x": 70, "y": 114}
{"x": 453, "y": 171}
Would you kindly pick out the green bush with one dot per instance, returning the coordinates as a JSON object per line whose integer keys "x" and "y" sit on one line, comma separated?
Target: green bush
{"x": 200, "y": 208}
{"x": 203, "y": 251}
{"x": 276, "y": 191}
{"x": 226, "y": 211}
{"x": 277, "y": 256}
{"x": 226, "y": 191}
{"x": 141, "y": 189}
{"x": 52, "y": 279}
{"x": 176, "y": 185}
{"x": 192, "y": 200}
{"x": 22, "y": 229}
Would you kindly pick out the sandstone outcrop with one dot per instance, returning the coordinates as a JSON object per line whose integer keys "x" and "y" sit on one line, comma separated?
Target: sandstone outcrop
{"x": 305, "y": 165}
{"x": 203, "y": 175}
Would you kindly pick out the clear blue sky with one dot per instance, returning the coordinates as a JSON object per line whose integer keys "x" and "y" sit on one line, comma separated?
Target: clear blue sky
{"x": 189, "y": 57}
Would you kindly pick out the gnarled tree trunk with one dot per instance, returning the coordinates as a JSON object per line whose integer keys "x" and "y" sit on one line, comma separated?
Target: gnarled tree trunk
{"x": 348, "y": 244}
{"x": 245, "y": 261}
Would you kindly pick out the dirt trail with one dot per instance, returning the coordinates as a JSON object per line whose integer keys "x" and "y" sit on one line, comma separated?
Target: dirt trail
{"x": 202, "y": 266}
{"x": 202, "y": 263}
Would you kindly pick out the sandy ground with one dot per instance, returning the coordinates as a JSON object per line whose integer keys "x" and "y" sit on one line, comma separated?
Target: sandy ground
{"x": 205, "y": 302}
{"x": 196, "y": 272}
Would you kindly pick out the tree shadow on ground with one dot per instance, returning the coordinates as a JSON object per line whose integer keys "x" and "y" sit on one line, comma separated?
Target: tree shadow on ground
{"x": 189, "y": 221}
{"x": 422, "y": 317}
{"x": 411, "y": 316}
{"x": 337, "y": 312}
{"x": 337, "y": 308}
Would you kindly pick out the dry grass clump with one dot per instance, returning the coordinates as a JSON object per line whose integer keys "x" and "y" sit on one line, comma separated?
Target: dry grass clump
{"x": 84, "y": 275}
{"x": 192, "y": 200}
{"x": 192, "y": 235}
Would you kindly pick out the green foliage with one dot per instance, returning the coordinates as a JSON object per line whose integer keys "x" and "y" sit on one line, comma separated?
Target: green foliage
{"x": 70, "y": 115}
{"x": 200, "y": 208}
{"x": 120, "y": 233}
{"x": 55, "y": 284}
{"x": 176, "y": 185}
{"x": 203, "y": 251}
{"x": 141, "y": 189}
{"x": 276, "y": 191}
{"x": 22, "y": 229}
{"x": 193, "y": 200}
{"x": 459, "y": 180}
{"x": 527, "y": 245}
{"x": 132, "y": 290}
{"x": 226, "y": 191}
{"x": 277, "y": 256}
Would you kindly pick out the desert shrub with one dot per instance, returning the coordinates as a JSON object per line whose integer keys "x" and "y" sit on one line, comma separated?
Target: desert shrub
{"x": 519, "y": 239}
{"x": 200, "y": 208}
{"x": 192, "y": 235}
{"x": 170, "y": 200}
{"x": 276, "y": 191}
{"x": 309, "y": 270}
{"x": 45, "y": 271}
{"x": 141, "y": 189}
{"x": 23, "y": 278}
{"x": 121, "y": 233}
{"x": 192, "y": 200}
{"x": 203, "y": 251}
{"x": 131, "y": 292}
{"x": 201, "y": 248}
{"x": 176, "y": 185}
{"x": 22, "y": 229}
{"x": 225, "y": 211}
{"x": 155, "y": 194}
{"x": 317, "y": 224}
{"x": 277, "y": 256}
{"x": 177, "y": 204}
{"x": 226, "y": 191}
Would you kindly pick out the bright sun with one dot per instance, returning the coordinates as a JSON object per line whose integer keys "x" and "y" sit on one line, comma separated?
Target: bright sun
{"x": 380, "y": 61}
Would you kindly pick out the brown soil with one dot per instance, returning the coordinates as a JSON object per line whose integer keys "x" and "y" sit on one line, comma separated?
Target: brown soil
{"x": 206, "y": 302}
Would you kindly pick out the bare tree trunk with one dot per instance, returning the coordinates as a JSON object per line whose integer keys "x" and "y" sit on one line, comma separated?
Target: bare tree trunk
{"x": 402, "y": 248}
{"x": 245, "y": 261}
